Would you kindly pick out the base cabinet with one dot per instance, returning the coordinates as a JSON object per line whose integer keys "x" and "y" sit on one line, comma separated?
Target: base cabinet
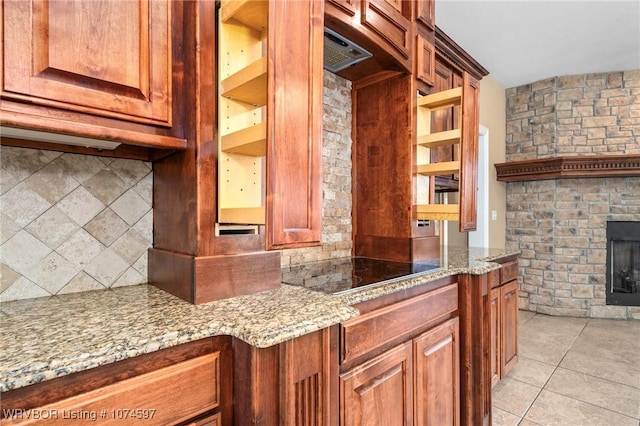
{"x": 400, "y": 359}
{"x": 182, "y": 385}
{"x": 508, "y": 326}
{"x": 379, "y": 392}
{"x": 415, "y": 383}
{"x": 437, "y": 375}
{"x": 504, "y": 322}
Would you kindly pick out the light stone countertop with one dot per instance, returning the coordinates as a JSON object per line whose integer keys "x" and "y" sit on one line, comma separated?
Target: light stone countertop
{"x": 49, "y": 337}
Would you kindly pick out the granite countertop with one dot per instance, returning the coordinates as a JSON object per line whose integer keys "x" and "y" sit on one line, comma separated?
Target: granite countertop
{"x": 50, "y": 337}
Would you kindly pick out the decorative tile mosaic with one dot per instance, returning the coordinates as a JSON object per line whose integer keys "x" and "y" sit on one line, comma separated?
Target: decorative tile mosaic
{"x": 72, "y": 222}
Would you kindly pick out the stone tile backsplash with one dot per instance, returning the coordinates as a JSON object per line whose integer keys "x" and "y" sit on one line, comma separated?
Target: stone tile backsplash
{"x": 72, "y": 222}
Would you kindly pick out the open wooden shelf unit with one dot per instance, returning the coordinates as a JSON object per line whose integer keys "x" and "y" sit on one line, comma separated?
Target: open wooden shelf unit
{"x": 426, "y": 169}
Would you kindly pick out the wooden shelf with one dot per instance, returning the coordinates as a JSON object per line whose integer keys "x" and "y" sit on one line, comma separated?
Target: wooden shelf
{"x": 243, "y": 215}
{"x": 248, "y": 85}
{"x": 441, "y": 168}
{"x": 435, "y": 140}
{"x": 438, "y": 211}
{"x": 252, "y": 13}
{"x": 444, "y": 99}
{"x": 251, "y": 141}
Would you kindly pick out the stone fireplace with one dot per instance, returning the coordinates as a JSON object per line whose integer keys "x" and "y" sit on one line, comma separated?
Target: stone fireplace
{"x": 623, "y": 263}
{"x": 573, "y": 166}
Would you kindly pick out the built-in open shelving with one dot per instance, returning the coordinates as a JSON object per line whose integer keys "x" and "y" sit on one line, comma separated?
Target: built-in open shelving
{"x": 441, "y": 168}
{"x": 248, "y": 85}
{"x": 435, "y": 140}
{"x": 242, "y": 127}
{"x": 251, "y": 215}
{"x": 250, "y": 141}
{"x": 444, "y": 99}
{"x": 426, "y": 169}
{"x": 438, "y": 211}
{"x": 251, "y": 13}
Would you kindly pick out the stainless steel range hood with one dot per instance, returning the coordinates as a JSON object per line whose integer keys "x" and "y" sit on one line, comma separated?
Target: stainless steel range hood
{"x": 341, "y": 53}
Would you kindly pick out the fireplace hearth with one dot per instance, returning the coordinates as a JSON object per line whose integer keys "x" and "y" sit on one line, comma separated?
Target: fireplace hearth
{"x": 623, "y": 263}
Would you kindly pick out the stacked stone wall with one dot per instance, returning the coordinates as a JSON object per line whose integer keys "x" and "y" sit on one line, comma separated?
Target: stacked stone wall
{"x": 560, "y": 225}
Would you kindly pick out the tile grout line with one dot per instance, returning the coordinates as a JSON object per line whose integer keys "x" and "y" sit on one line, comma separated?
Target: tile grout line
{"x": 554, "y": 369}
{"x": 591, "y": 404}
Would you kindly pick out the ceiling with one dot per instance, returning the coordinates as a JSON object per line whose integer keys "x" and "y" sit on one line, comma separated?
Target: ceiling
{"x": 521, "y": 41}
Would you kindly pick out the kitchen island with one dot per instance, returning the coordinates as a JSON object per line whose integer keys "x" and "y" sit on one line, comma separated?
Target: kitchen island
{"x": 46, "y": 339}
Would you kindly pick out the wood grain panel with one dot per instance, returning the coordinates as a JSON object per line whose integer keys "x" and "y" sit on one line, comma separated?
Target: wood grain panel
{"x": 286, "y": 384}
{"x": 102, "y": 57}
{"x": 569, "y": 167}
{"x": 508, "y": 271}
{"x": 494, "y": 354}
{"x": 385, "y": 18}
{"x": 194, "y": 385}
{"x": 306, "y": 379}
{"x": 375, "y": 329}
{"x": 437, "y": 380}
{"x": 475, "y": 335}
{"x": 294, "y": 117}
{"x": 346, "y": 6}
{"x": 206, "y": 278}
{"x": 380, "y": 391}
{"x": 382, "y": 171}
{"x": 225, "y": 276}
{"x": 425, "y": 60}
{"x": 469, "y": 153}
{"x": 426, "y": 12}
{"x": 65, "y": 387}
{"x": 509, "y": 326}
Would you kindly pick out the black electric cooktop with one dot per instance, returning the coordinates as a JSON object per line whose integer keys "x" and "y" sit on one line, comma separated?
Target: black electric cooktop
{"x": 343, "y": 275}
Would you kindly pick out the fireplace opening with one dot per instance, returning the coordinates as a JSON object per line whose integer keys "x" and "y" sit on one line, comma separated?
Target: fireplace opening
{"x": 623, "y": 263}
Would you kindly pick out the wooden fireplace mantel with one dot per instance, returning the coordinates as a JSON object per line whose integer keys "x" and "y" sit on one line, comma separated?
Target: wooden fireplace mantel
{"x": 584, "y": 166}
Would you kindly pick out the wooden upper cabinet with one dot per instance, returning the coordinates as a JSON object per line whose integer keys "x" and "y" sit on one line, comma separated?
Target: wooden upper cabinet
{"x": 391, "y": 21}
{"x": 270, "y": 119}
{"x": 425, "y": 60}
{"x": 103, "y": 57}
{"x": 294, "y": 124}
{"x": 452, "y": 138}
{"x": 426, "y": 12}
{"x": 469, "y": 153}
{"x": 346, "y": 6}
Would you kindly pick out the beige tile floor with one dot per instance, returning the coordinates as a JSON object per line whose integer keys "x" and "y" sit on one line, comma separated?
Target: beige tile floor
{"x": 572, "y": 372}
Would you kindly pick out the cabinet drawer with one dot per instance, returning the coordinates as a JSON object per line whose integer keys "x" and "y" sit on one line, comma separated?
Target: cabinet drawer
{"x": 509, "y": 271}
{"x": 165, "y": 396}
{"x": 379, "y": 327}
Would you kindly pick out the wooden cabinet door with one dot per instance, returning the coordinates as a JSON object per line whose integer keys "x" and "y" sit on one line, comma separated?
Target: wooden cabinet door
{"x": 294, "y": 117}
{"x": 509, "y": 325}
{"x": 380, "y": 391}
{"x": 495, "y": 336}
{"x": 469, "y": 152}
{"x": 391, "y": 21}
{"x": 425, "y": 60}
{"x": 104, "y": 57}
{"x": 437, "y": 376}
{"x": 426, "y": 12}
